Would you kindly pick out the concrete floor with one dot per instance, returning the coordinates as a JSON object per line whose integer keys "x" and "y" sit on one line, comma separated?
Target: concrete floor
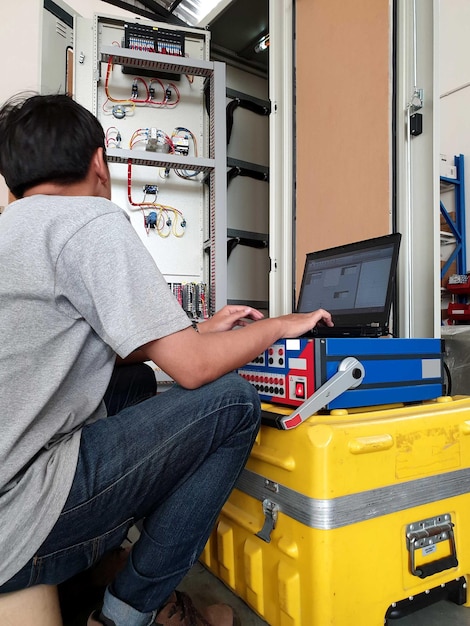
{"x": 205, "y": 589}
{"x": 440, "y": 614}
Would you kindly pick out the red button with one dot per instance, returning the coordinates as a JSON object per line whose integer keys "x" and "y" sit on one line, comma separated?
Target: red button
{"x": 299, "y": 390}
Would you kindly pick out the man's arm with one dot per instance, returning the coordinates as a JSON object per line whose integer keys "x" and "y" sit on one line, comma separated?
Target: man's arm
{"x": 227, "y": 318}
{"x": 193, "y": 359}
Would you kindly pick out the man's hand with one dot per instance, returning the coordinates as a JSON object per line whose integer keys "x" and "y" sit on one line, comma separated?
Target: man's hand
{"x": 296, "y": 324}
{"x": 228, "y": 317}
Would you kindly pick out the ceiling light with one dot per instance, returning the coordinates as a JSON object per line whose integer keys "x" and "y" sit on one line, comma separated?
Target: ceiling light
{"x": 263, "y": 44}
{"x": 197, "y": 12}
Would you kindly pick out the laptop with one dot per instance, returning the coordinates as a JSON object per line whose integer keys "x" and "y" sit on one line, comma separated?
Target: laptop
{"x": 355, "y": 283}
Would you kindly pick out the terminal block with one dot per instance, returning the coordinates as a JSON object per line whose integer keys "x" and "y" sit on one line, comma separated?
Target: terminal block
{"x": 181, "y": 145}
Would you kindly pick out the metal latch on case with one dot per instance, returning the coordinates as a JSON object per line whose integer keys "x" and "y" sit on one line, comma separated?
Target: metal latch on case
{"x": 270, "y": 511}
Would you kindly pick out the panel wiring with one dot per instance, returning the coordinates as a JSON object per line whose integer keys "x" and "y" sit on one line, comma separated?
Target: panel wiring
{"x": 164, "y": 219}
{"x": 181, "y": 137}
{"x": 156, "y": 94}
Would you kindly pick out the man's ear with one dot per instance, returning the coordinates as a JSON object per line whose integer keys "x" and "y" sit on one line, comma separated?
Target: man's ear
{"x": 99, "y": 164}
{"x": 100, "y": 170}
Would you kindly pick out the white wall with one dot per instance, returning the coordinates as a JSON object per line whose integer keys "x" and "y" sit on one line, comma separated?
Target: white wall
{"x": 454, "y": 73}
{"x": 21, "y": 65}
{"x": 20, "y": 69}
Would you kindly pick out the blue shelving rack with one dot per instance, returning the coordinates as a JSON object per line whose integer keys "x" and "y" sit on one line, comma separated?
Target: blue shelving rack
{"x": 457, "y": 225}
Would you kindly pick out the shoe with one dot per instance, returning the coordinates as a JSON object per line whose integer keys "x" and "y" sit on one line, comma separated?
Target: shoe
{"x": 180, "y": 611}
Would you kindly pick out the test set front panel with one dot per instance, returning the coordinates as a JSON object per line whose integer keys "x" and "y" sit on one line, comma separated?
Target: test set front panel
{"x": 395, "y": 371}
{"x": 284, "y": 373}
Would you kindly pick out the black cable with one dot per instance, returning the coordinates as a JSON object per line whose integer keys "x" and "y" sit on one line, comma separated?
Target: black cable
{"x": 244, "y": 104}
{"x": 232, "y": 173}
{"x": 243, "y": 241}
{"x": 242, "y": 171}
{"x": 449, "y": 379}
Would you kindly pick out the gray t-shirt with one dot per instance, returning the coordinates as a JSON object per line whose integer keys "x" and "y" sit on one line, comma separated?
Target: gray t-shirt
{"x": 77, "y": 286}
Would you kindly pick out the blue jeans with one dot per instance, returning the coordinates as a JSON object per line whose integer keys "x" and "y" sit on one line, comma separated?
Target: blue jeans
{"x": 171, "y": 461}
{"x": 129, "y": 385}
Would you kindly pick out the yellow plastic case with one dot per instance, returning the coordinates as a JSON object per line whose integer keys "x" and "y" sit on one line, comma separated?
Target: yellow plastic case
{"x": 354, "y": 515}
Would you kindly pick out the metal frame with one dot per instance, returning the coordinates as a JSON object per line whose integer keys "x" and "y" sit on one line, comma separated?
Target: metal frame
{"x": 281, "y": 138}
{"x": 417, "y": 167}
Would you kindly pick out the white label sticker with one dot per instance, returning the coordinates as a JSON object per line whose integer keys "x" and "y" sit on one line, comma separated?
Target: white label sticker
{"x": 297, "y": 364}
{"x": 431, "y": 368}
{"x": 429, "y": 549}
{"x": 292, "y": 344}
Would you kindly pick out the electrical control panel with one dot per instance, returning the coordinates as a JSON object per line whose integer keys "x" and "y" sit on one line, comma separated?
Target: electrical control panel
{"x": 156, "y": 94}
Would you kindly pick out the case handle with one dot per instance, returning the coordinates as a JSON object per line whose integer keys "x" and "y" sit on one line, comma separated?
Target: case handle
{"x": 435, "y": 533}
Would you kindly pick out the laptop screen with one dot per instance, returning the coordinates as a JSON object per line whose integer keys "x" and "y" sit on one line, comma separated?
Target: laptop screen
{"x": 353, "y": 282}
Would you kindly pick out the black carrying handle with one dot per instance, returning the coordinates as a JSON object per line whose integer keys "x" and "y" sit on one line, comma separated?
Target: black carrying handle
{"x": 434, "y": 567}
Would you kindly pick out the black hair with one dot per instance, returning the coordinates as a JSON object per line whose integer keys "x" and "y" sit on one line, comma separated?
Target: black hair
{"x": 47, "y": 138}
